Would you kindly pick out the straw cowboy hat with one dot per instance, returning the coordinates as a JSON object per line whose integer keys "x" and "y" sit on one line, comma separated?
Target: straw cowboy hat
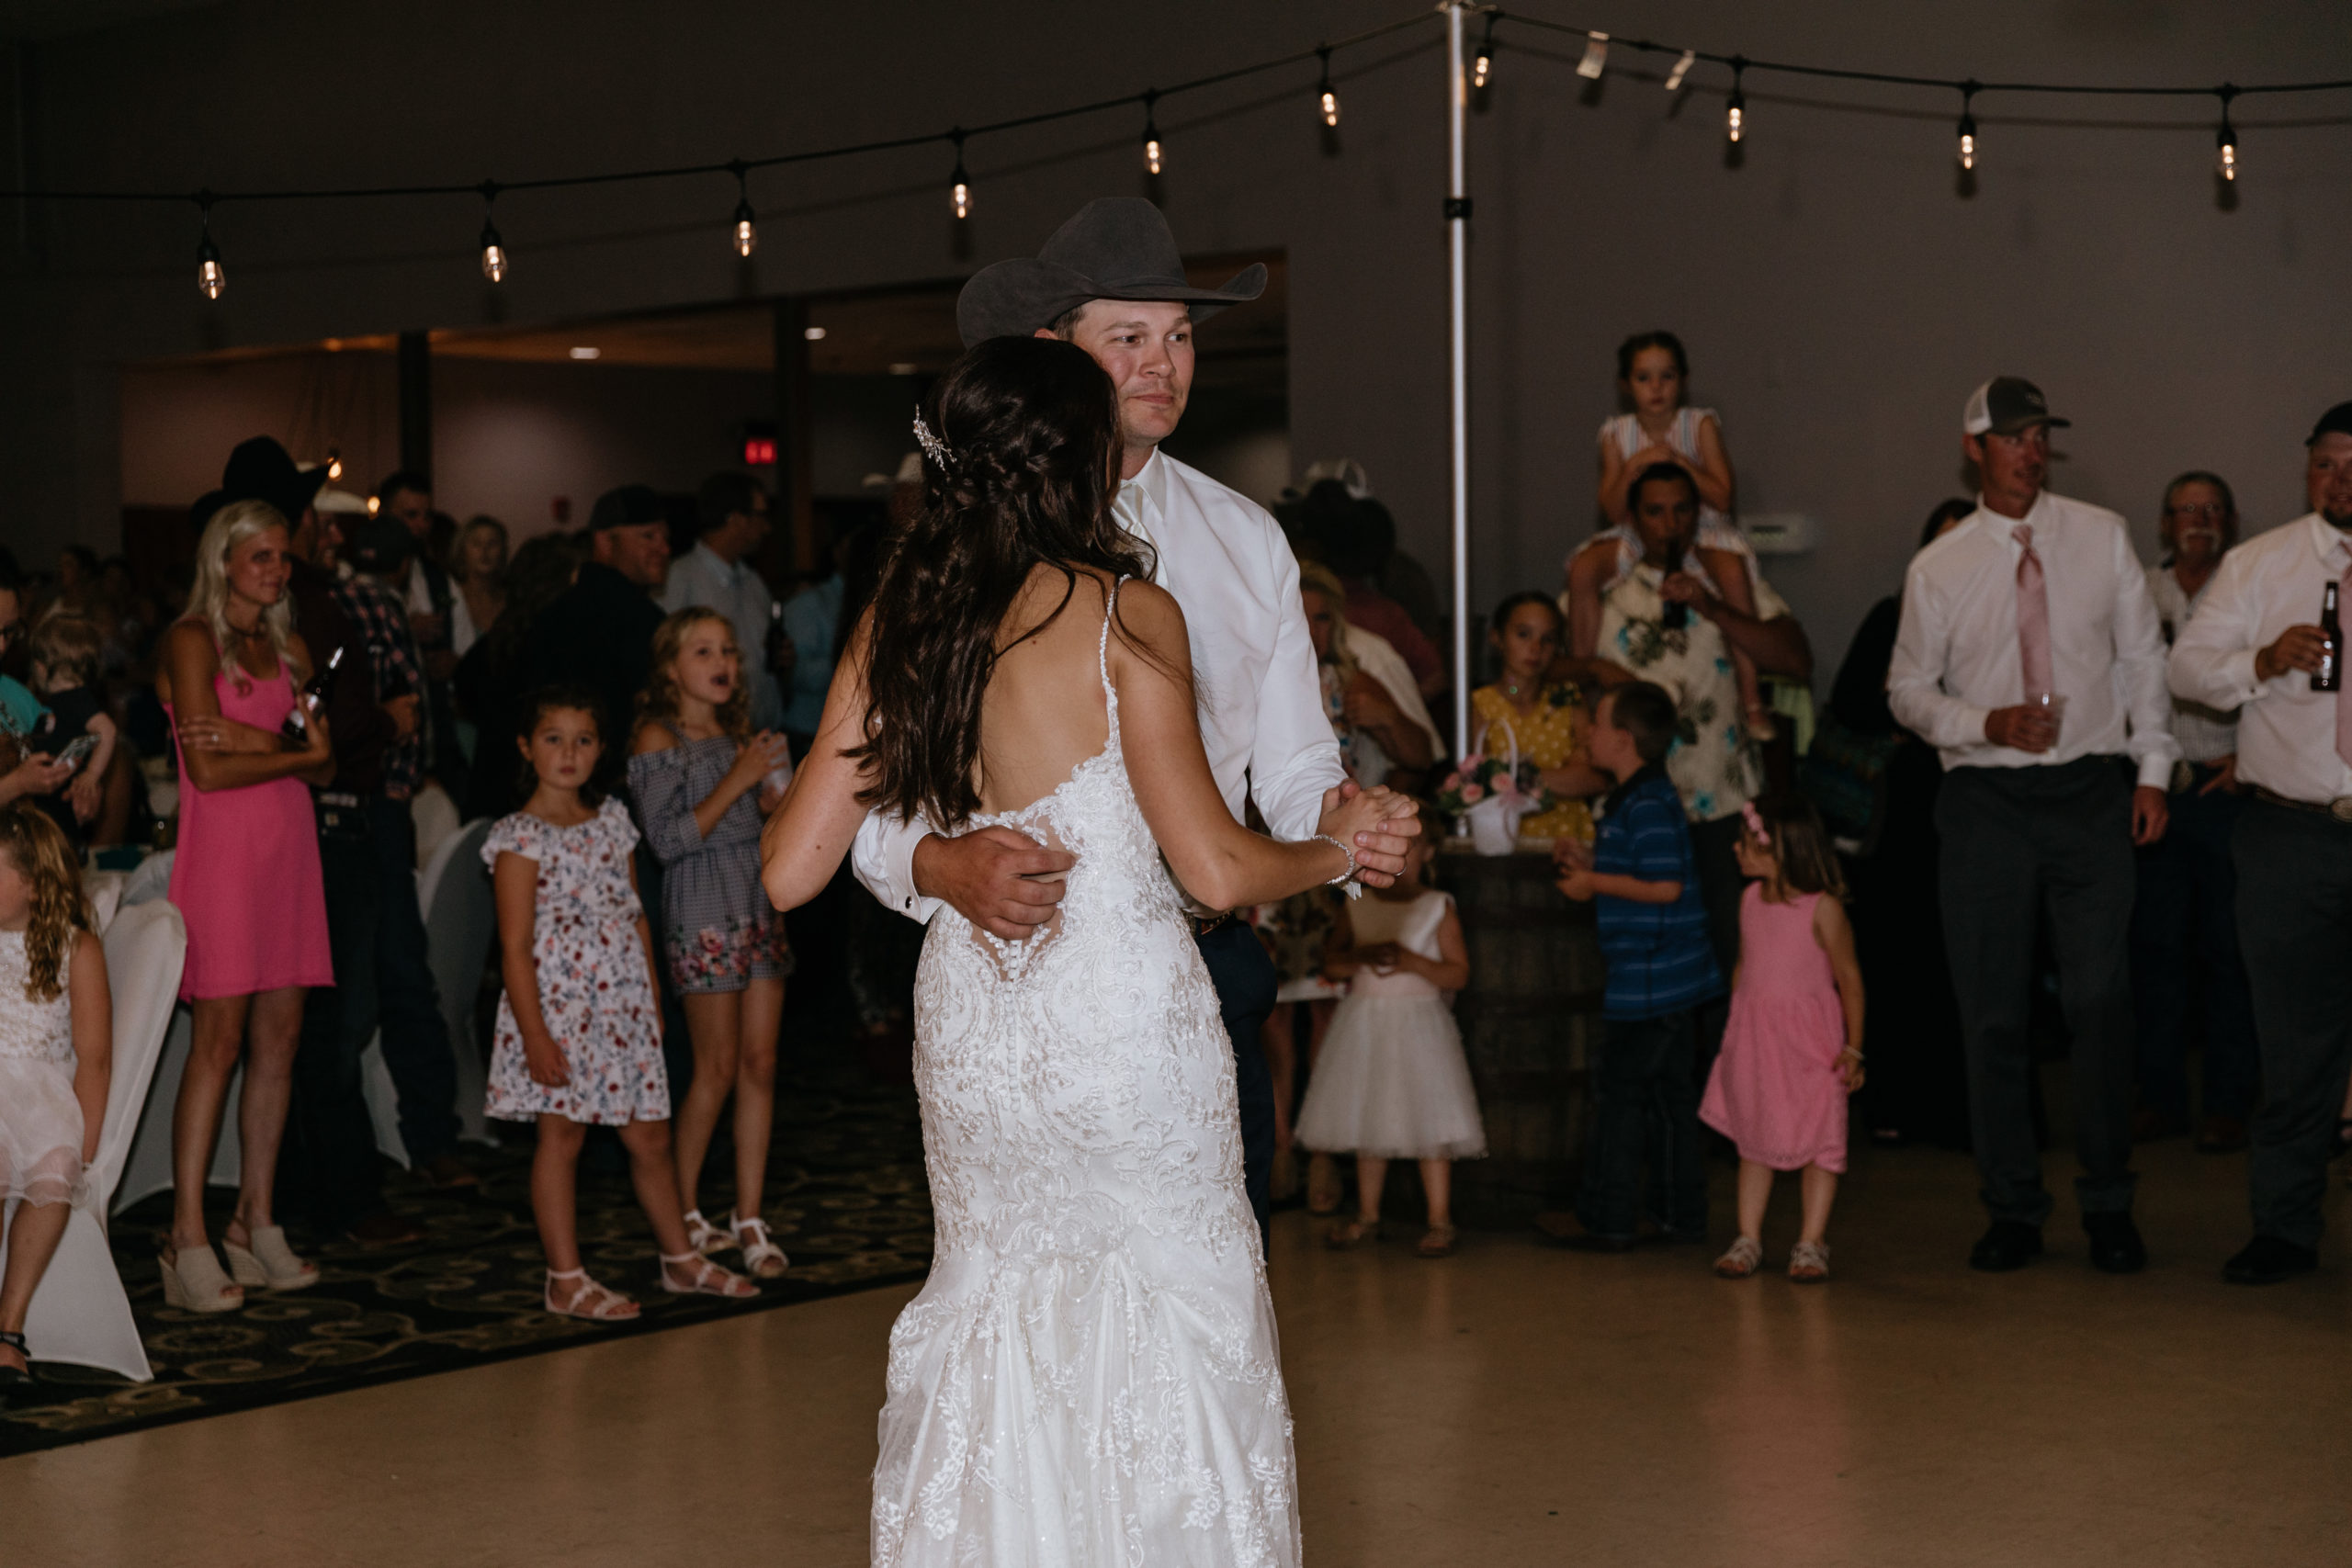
{"x": 1118, "y": 247}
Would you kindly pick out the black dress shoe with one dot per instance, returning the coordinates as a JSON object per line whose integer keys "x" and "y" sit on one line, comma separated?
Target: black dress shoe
{"x": 2266, "y": 1260}
{"x": 2008, "y": 1245}
{"x": 2116, "y": 1246}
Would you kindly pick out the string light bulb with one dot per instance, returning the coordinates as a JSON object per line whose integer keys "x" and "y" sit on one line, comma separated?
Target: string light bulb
{"x": 1482, "y": 64}
{"x": 334, "y": 464}
{"x": 210, "y": 279}
{"x": 1736, "y": 110}
{"x": 1152, "y": 158}
{"x": 2226, "y": 140}
{"x": 747, "y": 235}
{"x": 960, "y": 191}
{"x": 1967, "y": 125}
{"x": 1331, "y": 100}
{"x": 493, "y": 249}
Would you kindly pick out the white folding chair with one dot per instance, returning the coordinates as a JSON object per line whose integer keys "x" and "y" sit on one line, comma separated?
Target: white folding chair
{"x": 148, "y": 1168}
{"x": 460, "y": 923}
{"x": 79, "y": 1313}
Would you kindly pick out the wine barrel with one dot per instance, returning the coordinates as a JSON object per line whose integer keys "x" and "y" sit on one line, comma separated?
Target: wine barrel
{"x": 1531, "y": 1022}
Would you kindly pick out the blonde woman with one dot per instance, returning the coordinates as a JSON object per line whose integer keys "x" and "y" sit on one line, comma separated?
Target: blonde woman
{"x": 700, "y": 778}
{"x": 478, "y": 571}
{"x": 246, "y": 878}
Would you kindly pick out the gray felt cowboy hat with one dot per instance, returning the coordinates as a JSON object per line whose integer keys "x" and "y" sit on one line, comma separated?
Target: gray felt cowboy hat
{"x": 1118, "y": 247}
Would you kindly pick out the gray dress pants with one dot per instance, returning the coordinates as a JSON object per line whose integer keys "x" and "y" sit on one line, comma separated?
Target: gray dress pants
{"x": 2016, "y": 841}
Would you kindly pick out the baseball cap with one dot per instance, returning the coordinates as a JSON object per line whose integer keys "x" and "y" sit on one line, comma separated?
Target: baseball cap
{"x": 2336, "y": 421}
{"x": 2005, "y": 405}
{"x": 627, "y": 507}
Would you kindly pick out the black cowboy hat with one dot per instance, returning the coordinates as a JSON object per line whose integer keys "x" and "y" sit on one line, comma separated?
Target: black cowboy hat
{"x": 261, "y": 470}
{"x": 1118, "y": 247}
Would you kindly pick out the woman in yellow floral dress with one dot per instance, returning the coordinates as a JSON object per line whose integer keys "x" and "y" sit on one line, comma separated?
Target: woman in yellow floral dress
{"x": 1545, "y": 717}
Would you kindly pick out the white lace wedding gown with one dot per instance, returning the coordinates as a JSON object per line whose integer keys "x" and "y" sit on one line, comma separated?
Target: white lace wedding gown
{"x": 1090, "y": 1378}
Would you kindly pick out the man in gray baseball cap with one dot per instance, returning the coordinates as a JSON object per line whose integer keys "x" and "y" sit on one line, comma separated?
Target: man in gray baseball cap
{"x": 2031, "y": 657}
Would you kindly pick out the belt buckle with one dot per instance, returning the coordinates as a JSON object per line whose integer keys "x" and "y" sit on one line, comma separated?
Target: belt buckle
{"x": 2341, "y": 808}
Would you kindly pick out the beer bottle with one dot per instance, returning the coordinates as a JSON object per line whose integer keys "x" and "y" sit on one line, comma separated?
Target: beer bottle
{"x": 2329, "y": 676}
{"x": 295, "y": 732}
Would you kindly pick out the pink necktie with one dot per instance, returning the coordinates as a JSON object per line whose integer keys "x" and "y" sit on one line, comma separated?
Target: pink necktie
{"x": 2344, "y": 688}
{"x": 2033, "y": 616}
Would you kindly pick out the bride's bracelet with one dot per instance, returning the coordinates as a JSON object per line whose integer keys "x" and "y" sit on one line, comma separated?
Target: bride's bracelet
{"x": 1346, "y": 876}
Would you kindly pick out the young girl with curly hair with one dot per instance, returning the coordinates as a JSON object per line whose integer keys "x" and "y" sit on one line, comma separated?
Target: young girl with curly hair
{"x": 699, "y": 778}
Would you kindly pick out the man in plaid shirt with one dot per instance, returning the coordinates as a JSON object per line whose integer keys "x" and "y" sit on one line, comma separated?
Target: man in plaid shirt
{"x": 406, "y": 1001}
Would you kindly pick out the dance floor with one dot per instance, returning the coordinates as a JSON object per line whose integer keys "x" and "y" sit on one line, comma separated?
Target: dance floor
{"x": 1516, "y": 1404}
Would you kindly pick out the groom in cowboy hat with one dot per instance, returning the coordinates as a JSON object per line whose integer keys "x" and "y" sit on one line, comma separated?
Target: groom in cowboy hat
{"x": 1111, "y": 281}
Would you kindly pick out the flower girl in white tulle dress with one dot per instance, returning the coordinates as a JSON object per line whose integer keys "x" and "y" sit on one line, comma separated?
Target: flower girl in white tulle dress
{"x": 1392, "y": 1082}
{"x": 55, "y": 1059}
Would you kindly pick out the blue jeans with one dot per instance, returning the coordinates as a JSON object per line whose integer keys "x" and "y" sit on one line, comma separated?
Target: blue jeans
{"x": 2185, "y": 917}
{"x": 328, "y": 1171}
{"x": 404, "y": 1000}
{"x": 1645, "y": 1102}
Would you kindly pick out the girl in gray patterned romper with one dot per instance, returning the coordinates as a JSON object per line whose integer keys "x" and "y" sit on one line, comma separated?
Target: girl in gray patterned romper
{"x": 697, "y": 773}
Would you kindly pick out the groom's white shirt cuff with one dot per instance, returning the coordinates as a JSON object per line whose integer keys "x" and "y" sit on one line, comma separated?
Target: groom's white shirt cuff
{"x": 882, "y": 858}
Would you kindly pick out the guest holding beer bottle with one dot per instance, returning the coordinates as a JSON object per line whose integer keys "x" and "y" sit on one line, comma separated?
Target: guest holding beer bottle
{"x": 2266, "y": 638}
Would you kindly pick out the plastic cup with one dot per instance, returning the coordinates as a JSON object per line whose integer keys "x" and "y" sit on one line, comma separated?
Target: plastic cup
{"x": 2053, "y": 705}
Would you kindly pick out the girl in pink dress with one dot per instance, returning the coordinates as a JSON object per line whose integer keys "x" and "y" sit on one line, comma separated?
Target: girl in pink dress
{"x": 1792, "y": 1051}
{"x": 246, "y": 877}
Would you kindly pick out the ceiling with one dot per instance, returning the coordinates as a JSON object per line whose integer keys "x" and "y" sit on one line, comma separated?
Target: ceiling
{"x": 901, "y": 331}
{"x": 55, "y": 19}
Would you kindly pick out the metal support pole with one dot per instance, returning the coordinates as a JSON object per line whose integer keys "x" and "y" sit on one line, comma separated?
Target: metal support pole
{"x": 1457, "y": 226}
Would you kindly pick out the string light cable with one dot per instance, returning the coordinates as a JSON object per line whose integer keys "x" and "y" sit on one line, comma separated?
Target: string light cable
{"x": 212, "y": 277}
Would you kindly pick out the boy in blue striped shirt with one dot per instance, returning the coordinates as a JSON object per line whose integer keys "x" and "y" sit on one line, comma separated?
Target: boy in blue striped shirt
{"x": 1661, "y": 967}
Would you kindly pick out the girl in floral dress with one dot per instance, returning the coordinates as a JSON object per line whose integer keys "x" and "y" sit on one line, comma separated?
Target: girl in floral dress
{"x": 579, "y": 1038}
{"x": 698, "y": 777}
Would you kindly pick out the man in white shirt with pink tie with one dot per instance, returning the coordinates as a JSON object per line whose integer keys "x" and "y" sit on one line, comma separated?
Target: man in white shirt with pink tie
{"x": 2032, "y": 659}
{"x": 2256, "y": 644}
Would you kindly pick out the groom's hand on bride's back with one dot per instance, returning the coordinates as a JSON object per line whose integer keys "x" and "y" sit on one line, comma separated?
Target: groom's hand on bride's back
{"x": 1376, "y": 825}
{"x": 1002, "y": 881}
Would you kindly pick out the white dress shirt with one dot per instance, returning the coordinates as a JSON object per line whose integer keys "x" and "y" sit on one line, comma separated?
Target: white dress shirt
{"x": 1956, "y": 656}
{"x": 2286, "y": 730}
{"x": 703, "y": 577}
{"x": 1253, "y": 667}
{"x": 2204, "y": 734}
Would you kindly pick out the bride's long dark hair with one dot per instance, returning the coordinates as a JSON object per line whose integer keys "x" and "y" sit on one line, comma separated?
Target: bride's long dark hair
{"x": 1029, "y": 445}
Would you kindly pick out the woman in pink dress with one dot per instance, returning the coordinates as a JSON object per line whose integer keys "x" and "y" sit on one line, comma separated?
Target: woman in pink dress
{"x": 1792, "y": 1051}
{"x": 246, "y": 878}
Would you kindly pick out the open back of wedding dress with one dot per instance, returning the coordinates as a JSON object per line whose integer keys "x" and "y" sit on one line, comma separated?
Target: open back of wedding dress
{"x": 1090, "y": 1378}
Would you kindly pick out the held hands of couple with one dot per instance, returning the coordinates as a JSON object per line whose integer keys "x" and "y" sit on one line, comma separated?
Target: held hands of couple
{"x": 1374, "y": 824}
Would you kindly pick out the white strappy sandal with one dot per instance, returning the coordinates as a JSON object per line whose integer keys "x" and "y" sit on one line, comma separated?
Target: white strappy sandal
{"x": 592, "y": 1302}
{"x": 708, "y": 1279}
{"x": 762, "y": 1258}
{"x": 704, "y": 1237}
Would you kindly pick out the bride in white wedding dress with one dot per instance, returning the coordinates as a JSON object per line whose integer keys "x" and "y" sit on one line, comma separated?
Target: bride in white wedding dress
{"x": 1090, "y": 1378}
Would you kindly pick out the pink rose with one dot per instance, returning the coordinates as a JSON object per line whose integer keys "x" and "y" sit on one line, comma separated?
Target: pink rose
{"x": 1471, "y": 793}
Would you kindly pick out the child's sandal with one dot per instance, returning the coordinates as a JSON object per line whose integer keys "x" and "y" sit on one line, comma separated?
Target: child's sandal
{"x": 704, "y": 1237}
{"x": 592, "y": 1302}
{"x": 1351, "y": 1232}
{"x": 708, "y": 1279}
{"x": 1740, "y": 1260}
{"x": 1438, "y": 1241}
{"x": 762, "y": 1258}
{"x": 1809, "y": 1262}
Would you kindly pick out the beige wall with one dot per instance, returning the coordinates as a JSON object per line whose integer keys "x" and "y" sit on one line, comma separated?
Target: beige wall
{"x": 1838, "y": 297}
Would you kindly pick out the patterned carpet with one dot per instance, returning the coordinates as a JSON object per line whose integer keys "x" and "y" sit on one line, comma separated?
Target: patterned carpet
{"x": 846, "y": 1198}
